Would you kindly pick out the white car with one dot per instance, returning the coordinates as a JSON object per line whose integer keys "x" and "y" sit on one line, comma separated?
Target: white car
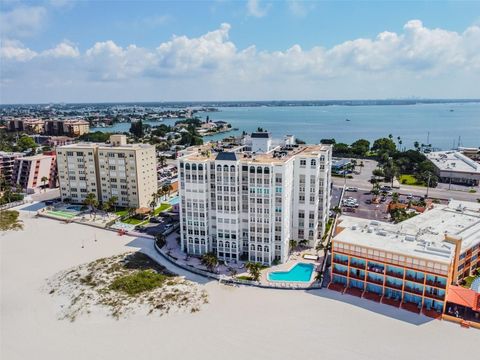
{"x": 353, "y": 189}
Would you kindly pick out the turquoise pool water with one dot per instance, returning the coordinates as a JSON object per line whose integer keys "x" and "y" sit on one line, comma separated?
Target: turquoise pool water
{"x": 174, "y": 201}
{"x": 299, "y": 273}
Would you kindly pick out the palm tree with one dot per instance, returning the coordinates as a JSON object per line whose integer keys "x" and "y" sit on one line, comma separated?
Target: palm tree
{"x": 361, "y": 166}
{"x": 254, "y": 269}
{"x": 153, "y": 203}
{"x": 166, "y": 189}
{"x": 105, "y": 207}
{"x": 92, "y": 202}
{"x": 112, "y": 202}
{"x": 292, "y": 245}
{"x": 303, "y": 242}
{"x": 210, "y": 261}
{"x": 44, "y": 179}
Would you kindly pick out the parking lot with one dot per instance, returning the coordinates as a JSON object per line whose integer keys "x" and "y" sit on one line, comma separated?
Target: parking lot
{"x": 359, "y": 204}
{"x": 159, "y": 224}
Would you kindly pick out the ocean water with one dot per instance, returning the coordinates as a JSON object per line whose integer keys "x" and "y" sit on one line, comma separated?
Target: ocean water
{"x": 443, "y": 125}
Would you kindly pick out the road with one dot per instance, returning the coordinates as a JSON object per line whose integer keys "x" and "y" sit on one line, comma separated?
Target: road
{"x": 439, "y": 193}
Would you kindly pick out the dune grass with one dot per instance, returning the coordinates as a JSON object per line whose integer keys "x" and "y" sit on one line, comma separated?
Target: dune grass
{"x": 138, "y": 282}
{"x": 9, "y": 220}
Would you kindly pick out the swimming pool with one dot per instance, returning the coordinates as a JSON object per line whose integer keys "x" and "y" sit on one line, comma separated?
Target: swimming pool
{"x": 301, "y": 272}
{"x": 174, "y": 201}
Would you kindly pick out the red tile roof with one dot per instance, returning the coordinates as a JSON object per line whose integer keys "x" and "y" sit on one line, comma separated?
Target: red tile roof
{"x": 465, "y": 297}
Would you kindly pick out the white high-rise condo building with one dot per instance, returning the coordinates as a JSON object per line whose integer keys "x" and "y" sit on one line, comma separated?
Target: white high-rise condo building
{"x": 248, "y": 201}
{"x": 126, "y": 171}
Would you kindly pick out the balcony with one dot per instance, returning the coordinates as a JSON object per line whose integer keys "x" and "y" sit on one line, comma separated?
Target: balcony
{"x": 357, "y": 265}
{"x": 416, "y": 279}
{"x": 391, "y": 301}
{"x": 393, "y": 285}
{"x": 339, "y": 271}
{"x": 436, "y": 284}
{"x": 372, "y": 296}
{"x": 337, "y": 287}
{"x": 411, "y": 307}
{"x": 354, "y": 291}
{"x": 413, "y": 290}
{"x": 358, "y": 277}
{"x": 435, "y": 296}
{"x": 340, "y": 261}
{"x": 375, "y": 281}
{"x": 396, "y": 274}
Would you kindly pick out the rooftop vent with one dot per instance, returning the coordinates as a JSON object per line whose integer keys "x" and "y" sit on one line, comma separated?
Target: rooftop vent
{"x": 409, "y": 238}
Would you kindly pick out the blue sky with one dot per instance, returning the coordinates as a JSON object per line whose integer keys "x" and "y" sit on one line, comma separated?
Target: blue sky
{"x": 92, "y": 50}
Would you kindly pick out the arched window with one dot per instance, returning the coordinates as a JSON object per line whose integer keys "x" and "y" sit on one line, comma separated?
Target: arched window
{"x": 200, "y": 167}
{"x": 194, "y": 166}
{"x": 197, "y": 241}
{"x": 266, "y": 170}
{"x": 259, "y": 170}
{"x": 232, "y": 168}
{"x": 202, "y": 241}
{"x": 219, "y": 167}
{"x": 259, "y": 247}
{"x": 190, "y": 240}
{"x": 220, "y": 243}
{"x": 313, "y": 162}
{"x": 252, "y": 169}
{"x": 227, "y": 244}
{"x": 187, "y": 166}
{"x": 252, "y": 247}
{"x": 234, "y": 245}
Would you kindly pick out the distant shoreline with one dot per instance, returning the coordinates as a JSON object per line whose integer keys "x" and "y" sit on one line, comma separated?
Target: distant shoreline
{"x": 262, "y": 103}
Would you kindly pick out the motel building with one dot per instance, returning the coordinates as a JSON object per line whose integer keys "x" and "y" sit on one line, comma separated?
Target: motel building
{"x": 410, "y": 265}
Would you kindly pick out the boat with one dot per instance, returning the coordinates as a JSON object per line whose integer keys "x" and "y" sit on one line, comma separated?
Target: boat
{"x": 347, "y": 119}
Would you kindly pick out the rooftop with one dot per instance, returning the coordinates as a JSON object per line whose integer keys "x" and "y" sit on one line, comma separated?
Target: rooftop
{"x": 91, "y": 145}
{"x": 278, "y": 155}
{"x": 422, "y": 236}
{"x": 453, "y": 161}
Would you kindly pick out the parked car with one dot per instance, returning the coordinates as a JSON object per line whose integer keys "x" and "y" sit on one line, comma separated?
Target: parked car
{"x": 409, "y": 196}
{"x": 168, "y": 226}
{"x": 155, "y": 220}
{"x": 386, "y": 188}
{"x": 368, "y": 201}
{"x": 353, "y": 189}
{"x": 140, "y": 228}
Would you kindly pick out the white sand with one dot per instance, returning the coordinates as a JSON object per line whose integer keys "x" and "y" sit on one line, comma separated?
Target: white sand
{"x": 239, "y": 323}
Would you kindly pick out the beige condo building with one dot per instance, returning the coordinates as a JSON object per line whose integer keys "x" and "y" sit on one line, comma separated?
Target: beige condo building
{"x": 126, "y": 171}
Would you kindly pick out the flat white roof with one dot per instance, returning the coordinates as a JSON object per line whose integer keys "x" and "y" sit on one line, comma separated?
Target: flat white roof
{"x": 422, "y": 236}
{"x": 453, "y": 161}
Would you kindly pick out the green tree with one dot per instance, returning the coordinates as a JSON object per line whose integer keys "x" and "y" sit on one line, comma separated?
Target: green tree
{"x": 44, "y": 180}
{"x": 210, "y": 261}
{"x": 92, "y": 202}
{"x": 384, "y": 145}
{"x": 166, "y": 189}
{"x": 292, "y": 245}
{"x": 112, "y": 202}
{"x": 360, "y": 147}
{"x": 254, "y": 269}
{"x": 26, "y": 143}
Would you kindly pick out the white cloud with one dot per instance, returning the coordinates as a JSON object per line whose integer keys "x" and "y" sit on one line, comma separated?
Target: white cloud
{"x": 255, "y": 9}
{"x": 64, "y": 49}
{"x": 22, "y": 21}
{"x": 211, "y": 65}
{"x": 15, "y": 50}
{"x": 299, "y": 8}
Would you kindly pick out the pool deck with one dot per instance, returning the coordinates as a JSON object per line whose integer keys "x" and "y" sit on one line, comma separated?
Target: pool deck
{"x": 295, "y": 258}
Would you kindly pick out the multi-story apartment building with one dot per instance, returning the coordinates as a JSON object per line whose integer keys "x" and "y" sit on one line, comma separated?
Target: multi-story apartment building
{"x": 410, "y": 264}
{"x": 7, "y": 163}
{"x": 126, "y": 171}
{"x": 247, "y": 202}
{"x": 28, "y": 171}
{"x": 69, "y": 127}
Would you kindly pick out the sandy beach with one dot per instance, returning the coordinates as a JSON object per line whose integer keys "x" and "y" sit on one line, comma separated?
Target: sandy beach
{"x": 237, "y": 323}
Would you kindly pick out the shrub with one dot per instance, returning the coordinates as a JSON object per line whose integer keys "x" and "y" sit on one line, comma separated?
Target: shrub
{"x": 138, "y": 282}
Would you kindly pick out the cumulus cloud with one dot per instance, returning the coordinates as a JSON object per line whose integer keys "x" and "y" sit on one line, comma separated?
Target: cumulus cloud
{"x": 15, "y": 50}
{"x": 213, "y": 61}
{"x": 22, "y": 21}
{"x": 64, "y": 49}
{"x": 255, "y": 9}
{"x": 299, "y": 8}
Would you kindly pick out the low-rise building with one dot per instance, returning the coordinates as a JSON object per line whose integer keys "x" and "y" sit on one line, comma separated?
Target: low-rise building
{"x": 29, "y": 171}
{"x": 410, "y": 264}
{"x": 455, "y": 168}
{"x": 7, "y": 163}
